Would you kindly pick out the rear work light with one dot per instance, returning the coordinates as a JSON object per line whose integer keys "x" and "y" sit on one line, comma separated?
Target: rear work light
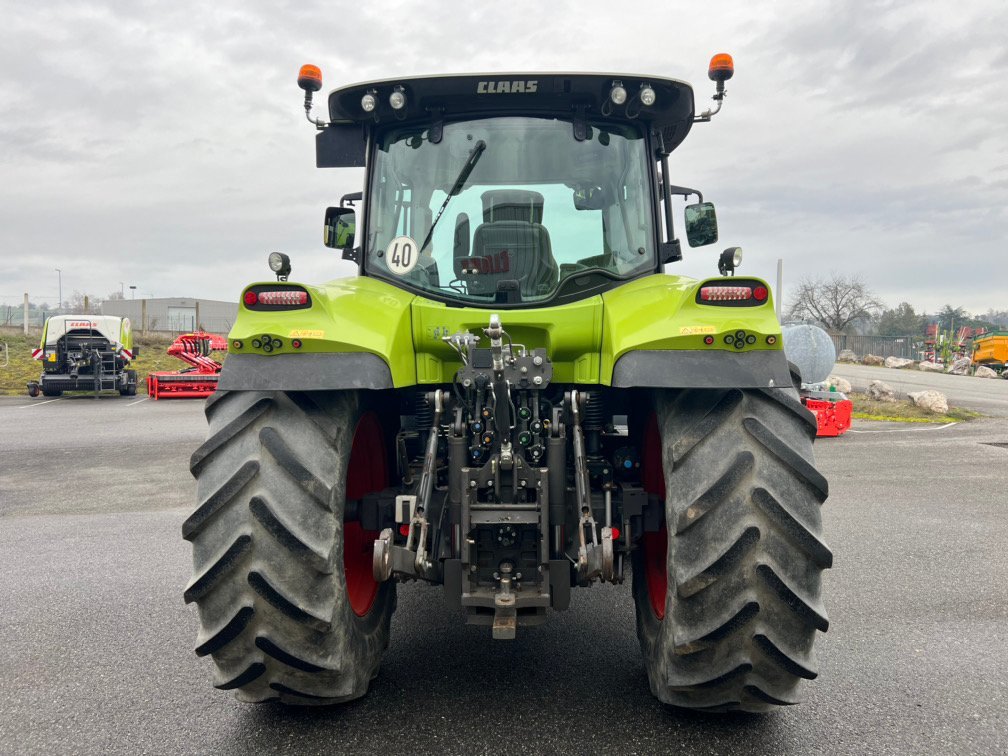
{"x": 283, "y": 297}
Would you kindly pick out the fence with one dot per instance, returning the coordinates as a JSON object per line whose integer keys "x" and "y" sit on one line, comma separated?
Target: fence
{"x": 882, "y": 346}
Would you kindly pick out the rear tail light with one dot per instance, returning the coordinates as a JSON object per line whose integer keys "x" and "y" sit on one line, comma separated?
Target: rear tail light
{"x": 732, "y": 292}
{"x": 282, "y": 297}
{"x": 726, "y": 293}
{"x": 250, "y": 298}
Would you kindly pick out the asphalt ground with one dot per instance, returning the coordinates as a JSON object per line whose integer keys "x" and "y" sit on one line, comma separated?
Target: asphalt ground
{"x": 986, "y": 395}
{"x": 96, "y": 643}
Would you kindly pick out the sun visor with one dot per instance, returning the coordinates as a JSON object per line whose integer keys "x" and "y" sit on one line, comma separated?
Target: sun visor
{"x": 340, "y": 145}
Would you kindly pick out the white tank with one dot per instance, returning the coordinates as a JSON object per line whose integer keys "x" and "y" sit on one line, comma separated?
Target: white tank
{"x": 811, "y": 350}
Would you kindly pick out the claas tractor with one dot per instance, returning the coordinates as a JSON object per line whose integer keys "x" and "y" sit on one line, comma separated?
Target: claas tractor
{"x": 511, "y": 400}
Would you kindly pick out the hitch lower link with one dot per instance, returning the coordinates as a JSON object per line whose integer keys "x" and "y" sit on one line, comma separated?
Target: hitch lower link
{"x": 412, "y": 560}
{"x": 596, "y": 557}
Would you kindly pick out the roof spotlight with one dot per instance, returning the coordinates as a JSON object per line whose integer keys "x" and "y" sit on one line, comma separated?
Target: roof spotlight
{"x": 368, "y": 102}
{"x": 647, "y": 95}
{"x": 618, "y": 93}
{"x": 398, "y": 98}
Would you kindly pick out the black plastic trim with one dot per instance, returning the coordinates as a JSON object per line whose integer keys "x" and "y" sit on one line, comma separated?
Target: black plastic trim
{"x": 696, "y": 369}
{"x": 305, "y": 372}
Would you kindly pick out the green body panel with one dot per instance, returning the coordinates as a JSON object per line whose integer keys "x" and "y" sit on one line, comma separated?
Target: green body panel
{"x": 346, "y": 315}
{"x": 584, "y": 339}
{"x": 571, "y": 334}
{"x": 660, "y": 312}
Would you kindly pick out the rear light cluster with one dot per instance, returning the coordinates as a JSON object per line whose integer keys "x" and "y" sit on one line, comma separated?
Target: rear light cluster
{"x": 263, "y": 297}
{"x": 276, "y": 297}
{"x": 733, "y": 293}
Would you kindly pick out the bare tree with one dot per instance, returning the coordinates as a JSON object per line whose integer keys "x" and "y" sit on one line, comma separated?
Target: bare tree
{"x": 838, "y": 302}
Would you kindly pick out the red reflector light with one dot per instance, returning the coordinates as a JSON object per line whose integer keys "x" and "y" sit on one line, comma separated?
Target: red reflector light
{"x": 760, "y": 293}
{"x": 404, "y": 530}
{"x": 283, "y": 297}
{"x": 615, "y": 534}
{"x": 726, "y": 293}
{"x": 708, "y": 340}
{"x": 250, "y": 298}
{"x": 296, "y": 343}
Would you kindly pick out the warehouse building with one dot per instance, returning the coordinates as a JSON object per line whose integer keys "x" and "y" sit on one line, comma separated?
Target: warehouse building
{"x": 174, "y": 314}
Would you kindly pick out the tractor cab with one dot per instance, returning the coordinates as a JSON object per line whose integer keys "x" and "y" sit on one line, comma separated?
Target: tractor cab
{"x": 520, "y": 190}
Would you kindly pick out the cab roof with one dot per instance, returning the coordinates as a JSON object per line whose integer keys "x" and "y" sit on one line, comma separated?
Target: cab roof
{"x": 546, "y": 94}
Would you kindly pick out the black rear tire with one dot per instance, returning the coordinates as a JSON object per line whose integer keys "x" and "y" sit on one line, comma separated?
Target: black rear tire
{"x": 270, "y": 577}
{"x": 728, "y": 594}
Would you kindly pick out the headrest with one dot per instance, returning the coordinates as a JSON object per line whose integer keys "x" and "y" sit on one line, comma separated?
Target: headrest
{"x": 512, "y": 205}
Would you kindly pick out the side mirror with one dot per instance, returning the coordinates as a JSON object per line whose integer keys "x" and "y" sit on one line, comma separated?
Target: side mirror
{"x": 701, "y": 224}
{"x": 340, "y": 225}
{"x": 591, "y": 198}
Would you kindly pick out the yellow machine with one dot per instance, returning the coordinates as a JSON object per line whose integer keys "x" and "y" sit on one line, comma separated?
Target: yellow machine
{"x": 991, "y": 350}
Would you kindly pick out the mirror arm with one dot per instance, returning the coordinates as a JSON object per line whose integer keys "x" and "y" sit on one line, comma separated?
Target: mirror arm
{"x": 667, "y": 196}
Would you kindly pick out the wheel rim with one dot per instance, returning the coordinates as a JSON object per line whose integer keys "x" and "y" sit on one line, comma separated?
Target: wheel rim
{"x": 655, "y": 545}
{"x": 366, "y": 472}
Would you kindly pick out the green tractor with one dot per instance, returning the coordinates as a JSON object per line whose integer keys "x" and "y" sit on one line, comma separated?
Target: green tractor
{"x": 510, "y": 400}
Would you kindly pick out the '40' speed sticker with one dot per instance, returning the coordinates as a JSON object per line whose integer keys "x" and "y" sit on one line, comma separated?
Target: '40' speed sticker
{"x": 401, "y": 255}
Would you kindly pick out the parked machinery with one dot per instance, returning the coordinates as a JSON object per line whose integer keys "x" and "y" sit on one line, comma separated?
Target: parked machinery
{"x": 85, "y": 353}
{"x": 197, "y": 381}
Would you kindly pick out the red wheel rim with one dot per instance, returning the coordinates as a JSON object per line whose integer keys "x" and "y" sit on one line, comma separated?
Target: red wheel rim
{"x": 655, "y": 545}
{"x": 366, "y": 472}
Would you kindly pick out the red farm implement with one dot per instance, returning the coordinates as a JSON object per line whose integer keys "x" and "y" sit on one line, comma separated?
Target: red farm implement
{"x": 197, "y": 381}
{"x": 833, "y": 414}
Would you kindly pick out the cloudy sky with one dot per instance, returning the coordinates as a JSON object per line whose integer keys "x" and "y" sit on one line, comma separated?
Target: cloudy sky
{"x": 164, "y": 145}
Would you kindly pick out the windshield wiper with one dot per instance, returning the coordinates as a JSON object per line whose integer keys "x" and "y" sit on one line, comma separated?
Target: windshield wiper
{"x": 470, "y": 163}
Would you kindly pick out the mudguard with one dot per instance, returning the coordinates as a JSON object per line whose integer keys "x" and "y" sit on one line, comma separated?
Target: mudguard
{"x": 305, "y": 372}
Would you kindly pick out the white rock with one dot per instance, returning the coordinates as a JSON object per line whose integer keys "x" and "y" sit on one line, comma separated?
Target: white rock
{"x": 881, "y": 392}
{"x": 930, "y": 401}
{"x": 983, "y": 371}
{"x": 960, "y": 366}
{"x": 847, "y": 355}
{"x": 931, "y": 367}
{"x": 840, "y": 384}
{"x": 871, "y": 359}
{"x": 897, "y": 362}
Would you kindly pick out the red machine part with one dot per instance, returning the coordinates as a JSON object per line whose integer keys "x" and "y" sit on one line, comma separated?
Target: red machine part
{"x": 197, "y": 381}
{"x": 832, "y": 418}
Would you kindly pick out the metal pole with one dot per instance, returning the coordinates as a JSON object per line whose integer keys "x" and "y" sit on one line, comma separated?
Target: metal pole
{"x": 780, "y": 286}
{"x": 59, "y": 305}
{"x": 26, "y": 313}
{"x": 122, "y": 291}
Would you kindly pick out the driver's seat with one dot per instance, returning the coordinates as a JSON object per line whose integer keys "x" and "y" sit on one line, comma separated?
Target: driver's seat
{"x": 511, "y": 243}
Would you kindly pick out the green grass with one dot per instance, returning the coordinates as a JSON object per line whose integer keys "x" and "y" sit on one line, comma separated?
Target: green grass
{"x": 905, "y": 411}
{"x": 22, "y": 368}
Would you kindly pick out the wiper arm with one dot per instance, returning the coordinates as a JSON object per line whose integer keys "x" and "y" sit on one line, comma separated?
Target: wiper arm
{"x": 470, "y": 163}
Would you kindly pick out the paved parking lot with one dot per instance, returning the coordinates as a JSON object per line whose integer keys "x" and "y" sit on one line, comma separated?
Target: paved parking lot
{"x": 96, "y": 643}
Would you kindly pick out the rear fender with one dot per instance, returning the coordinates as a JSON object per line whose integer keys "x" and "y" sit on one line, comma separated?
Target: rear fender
{"x": 354, "y": 334}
